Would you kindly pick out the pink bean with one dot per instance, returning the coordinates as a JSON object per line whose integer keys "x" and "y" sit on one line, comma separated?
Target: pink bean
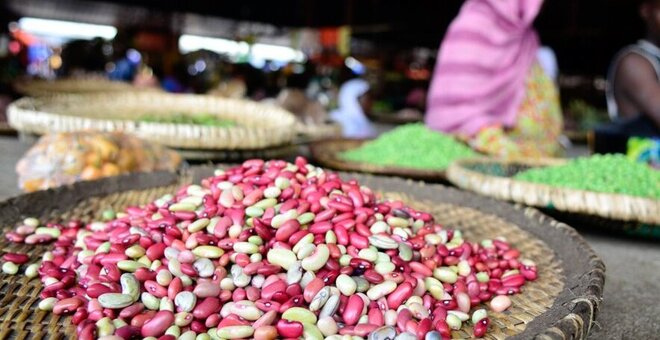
{"x": 353, "y": 310}
{"x": 400, "y": 294}
{"x": 16, "y": 258}
{"x": 289, "y": 329}
{"x": 158, "y": 324}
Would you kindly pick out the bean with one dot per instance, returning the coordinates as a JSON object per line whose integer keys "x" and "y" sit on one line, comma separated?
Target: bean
{"x": 31, "y": 222}
{"x": 299, "y": 314}
{"x": 16, "y": 258}
{"x": 210, "y": 252}
{"x": 31, "y": 271}
{"x": 185, "y": 301}
{"x": 289, "y": 329}
{"x": 327, "y": 326}
{"x": 311, "y": 257}
{"x": 130, "y": 286}
{"x": 445, "y": 274}
{"x": 66, "y": 306}
{"x": 478, "y": 315}
{"x": 235, "y": 332}
{"x": 130, "y": 266}
{"x": 115, "y": 300}
{"x": 157, "y": 325}
{"x": 150, "y": 301}
{"x": 310, "y": 331}
{"x": 318, "y": 259}
{"x": 380, "y": 290}
{"x": 353, "y": 310}
{"x": 500, "y": 303}
{"x": 330, "y": 307}
{"x": 9, "y": 268}
{"x": 204, "y": 267}
{"x": 166, "y": 304}
{"x": 453, "y": 322}
{"x": 320, "y": 299}
{"x": 47, "y": 303}
{"x": 383, "y": 333}
{"x": 346, "y": 285}
{"x": 189, "y": 335}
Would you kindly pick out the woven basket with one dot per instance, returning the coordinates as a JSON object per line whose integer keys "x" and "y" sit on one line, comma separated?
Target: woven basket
{"x": 326, "y": 153}
{"x": 36, "y": 88}
{"x": 259, "y": 126}
{"x": 317, "y": 132}
{"x": 493, "y": 178}
{"x": 234, "y": 156}
{"x": 561, "y": 304}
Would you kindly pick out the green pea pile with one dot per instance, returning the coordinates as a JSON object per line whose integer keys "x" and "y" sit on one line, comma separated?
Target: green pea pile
{"x": 410, "y": 146}
{"x": 600, "y": 173}
{"x": 205, "y": 119}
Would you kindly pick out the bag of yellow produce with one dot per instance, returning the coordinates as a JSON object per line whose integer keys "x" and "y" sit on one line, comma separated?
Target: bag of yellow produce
{"x": 64, "y": 158}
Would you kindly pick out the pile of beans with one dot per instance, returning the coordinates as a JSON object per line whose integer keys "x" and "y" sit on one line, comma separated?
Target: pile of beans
{"x": 600, "y": 173}
{"x": 411, "y": 146}
{"x": 271, "y": 250}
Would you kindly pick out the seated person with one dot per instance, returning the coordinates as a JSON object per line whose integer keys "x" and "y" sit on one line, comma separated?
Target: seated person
{"x": 633, "y": 91}
{"x": 489, "y": 87}
{"x": 633, "y": 88}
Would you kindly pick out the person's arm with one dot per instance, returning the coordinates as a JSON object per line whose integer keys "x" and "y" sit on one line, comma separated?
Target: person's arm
{"x": 637, "y": 79}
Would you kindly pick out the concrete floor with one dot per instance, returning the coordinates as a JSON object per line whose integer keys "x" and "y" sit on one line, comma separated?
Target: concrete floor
{"x": 631, "y": 305}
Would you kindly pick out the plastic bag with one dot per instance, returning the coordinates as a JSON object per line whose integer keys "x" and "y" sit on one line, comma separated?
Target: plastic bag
{"x": 64, "y": 158}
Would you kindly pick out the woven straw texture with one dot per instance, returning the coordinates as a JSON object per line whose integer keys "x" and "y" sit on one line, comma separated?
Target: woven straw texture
{"x": 326, "y": 153}
{"x": 317, "y": 132}
{"x": 561, "y": 304}
{"x": 36, "y": 88}
{"x": 258, "y": 126}
{"x": 493, "y": 178}
{"x": 234, "y": 156}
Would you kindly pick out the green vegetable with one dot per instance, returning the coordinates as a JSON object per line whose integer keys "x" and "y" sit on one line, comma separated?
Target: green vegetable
{"x": 600, "y": 173}
{"x": 411, "y": 146}
{"x": 205, "y": 119}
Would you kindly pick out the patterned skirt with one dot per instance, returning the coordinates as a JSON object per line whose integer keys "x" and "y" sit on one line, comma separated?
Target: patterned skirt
{"x": 538, "y": 125}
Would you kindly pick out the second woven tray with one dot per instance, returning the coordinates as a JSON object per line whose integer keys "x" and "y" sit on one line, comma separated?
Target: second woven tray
{"x": 326, "y": 153}
{"x": 492, "y": 178}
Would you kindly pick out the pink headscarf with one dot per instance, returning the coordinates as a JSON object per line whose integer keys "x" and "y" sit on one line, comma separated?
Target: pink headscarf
{"x": 483, "y": 62}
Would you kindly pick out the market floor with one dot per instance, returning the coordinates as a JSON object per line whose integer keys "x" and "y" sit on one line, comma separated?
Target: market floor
{"x": 631, "y": 304}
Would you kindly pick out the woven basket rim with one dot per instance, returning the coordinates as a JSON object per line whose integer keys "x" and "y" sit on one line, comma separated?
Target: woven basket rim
{"x": 547, "y": 196}
{"x": 50, "y": 87}
{"x": 325, "y": 153}
{"x": 35, "y": 115}
{"x": 572, "y": 314}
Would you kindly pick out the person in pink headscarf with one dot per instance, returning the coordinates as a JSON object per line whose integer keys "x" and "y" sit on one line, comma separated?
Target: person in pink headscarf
{"x": 489, "y": 88}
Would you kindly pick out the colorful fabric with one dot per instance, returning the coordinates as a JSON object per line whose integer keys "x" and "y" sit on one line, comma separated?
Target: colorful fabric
{"x": 644, "y": 150}
{"x": 538, "y": 123}
{"x": 482, "y": 65}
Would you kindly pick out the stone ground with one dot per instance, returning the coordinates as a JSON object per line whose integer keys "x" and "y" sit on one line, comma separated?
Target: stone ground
{"x": 631, "y": 303}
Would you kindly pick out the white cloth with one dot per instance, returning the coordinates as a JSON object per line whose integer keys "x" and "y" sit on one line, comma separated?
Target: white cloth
{"x": 349, "y": 114}
{"x": 548, "y": 61}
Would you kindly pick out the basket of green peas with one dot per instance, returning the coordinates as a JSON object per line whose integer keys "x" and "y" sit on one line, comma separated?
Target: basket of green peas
{"x": 411, "y": 151}
{"x": 608, "y": 186}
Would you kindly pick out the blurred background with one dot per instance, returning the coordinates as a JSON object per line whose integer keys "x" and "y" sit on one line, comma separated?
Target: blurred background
{"x": 254, "y": 49}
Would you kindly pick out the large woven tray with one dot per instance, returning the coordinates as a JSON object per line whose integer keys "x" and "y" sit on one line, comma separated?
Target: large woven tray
{"x": 493, "y": 178}
{"x": 259, "y": 126}
{"x": 326, "y": 153}
{"x": 561, "y": 304}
